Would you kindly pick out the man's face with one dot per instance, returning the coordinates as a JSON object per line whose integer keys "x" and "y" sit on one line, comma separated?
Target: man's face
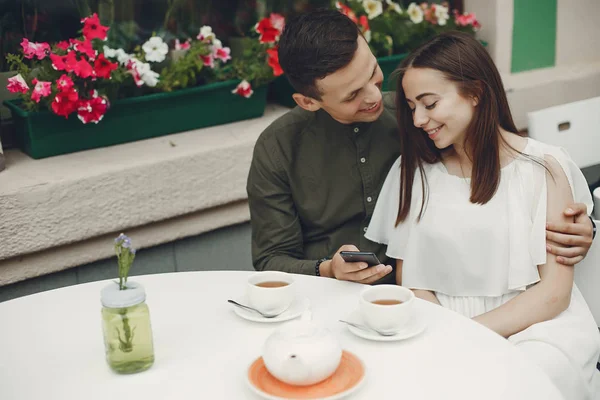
{"x": 353, "y": 93}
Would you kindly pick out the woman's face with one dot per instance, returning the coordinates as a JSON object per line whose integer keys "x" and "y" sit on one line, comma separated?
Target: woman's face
{"x": 437, "y": 106}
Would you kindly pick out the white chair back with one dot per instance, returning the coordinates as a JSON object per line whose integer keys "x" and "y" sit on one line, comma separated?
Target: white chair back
{"x": 572, "y": 126}
{"x": 587, "y": 278}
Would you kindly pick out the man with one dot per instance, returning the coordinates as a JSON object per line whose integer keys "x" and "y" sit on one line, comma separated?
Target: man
{"x": 317, "y": 171}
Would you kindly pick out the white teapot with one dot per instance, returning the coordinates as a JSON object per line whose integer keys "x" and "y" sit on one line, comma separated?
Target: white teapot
{"x": 302, "y": 353}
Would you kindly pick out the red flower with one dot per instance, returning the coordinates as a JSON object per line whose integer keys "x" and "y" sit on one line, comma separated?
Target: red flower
{"x": 103, "y": 67}
{"x": 64, "y": 83}
{"x": 92, "y": 28}
{"x": 83, "y": 69}
{"x": 363, "y": 21}
{"x": 268, "y": 33}
{"x": 63, "y": 45}
{"x": 58, "y": 62}
{"x": 273, "y": 61}
{"x": 243, "y": 89}
{"x": 347, "y": 11}
{"x": 84, "y": 47}
{"x": 65, "y": 102}
{"x": 92, "y": 110}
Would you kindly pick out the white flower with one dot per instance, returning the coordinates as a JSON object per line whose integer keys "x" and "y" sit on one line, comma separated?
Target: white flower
{"x": 156, "y": 50}
{"x": 206, "y": 33}
{"x": 441, "y": 14}
{"x": 394, "y": 6}
{"x": 415, "y": 13}
{"x": 122, "y": 57}
{"x": 150, "y": 78}
{"x": 110, "y": 53}
{"x": 373, "y": 8}
{"x": 217, "y": 44}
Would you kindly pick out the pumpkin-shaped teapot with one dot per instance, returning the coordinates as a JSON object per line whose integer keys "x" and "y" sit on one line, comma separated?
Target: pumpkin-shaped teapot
{"x": 302, "y": 353}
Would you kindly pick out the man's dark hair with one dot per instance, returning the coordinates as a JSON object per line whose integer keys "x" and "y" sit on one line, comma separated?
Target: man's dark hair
{"x": 314, "y": 45}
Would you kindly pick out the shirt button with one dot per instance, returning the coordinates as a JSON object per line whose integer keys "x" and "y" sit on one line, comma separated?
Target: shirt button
{"x": 365, "y": 229}
{"x": 369, "y": 199}
{"x": 363, "y": 160}
{"x": 356, "y": 130}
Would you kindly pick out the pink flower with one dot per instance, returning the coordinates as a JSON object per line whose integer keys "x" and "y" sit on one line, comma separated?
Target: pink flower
{"x": 63, "y": 45}
{"x": 466, "y": 19}
{"x": 17, "y": 84}
{"x": 41, "y": 89}
{"x": 243, "y": 89}
{"x": 209, "y": 61}
{"x": 222, "y": 54}
{"x": 64, "y": 83}
{"x": 31, "y": 49}
{"x": 92, "y": 110}
{"x": 65, "y": 102}
{"x": 182, "y": 46}
{"x": 92, "y": 28}
{"x": 278, "y": 21}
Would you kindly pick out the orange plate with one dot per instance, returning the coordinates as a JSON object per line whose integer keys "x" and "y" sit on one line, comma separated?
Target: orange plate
{"x": 344, "y": 380}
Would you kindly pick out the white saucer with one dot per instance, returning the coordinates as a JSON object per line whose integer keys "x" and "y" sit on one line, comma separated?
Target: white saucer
{"x": 416, "y": 328}
{"x": 298, "y": 306}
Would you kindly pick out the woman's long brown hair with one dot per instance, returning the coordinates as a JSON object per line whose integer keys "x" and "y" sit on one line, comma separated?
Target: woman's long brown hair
{"x": 464, "y": 61}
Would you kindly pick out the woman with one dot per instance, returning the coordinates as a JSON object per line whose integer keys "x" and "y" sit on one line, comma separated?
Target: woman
{"x": 464, "y": 211}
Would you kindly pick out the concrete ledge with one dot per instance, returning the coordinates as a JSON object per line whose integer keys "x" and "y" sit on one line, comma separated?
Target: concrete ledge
{"x": 58, "y": 212}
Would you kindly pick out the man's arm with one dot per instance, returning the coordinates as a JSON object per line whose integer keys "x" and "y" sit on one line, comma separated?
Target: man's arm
{"x": 277, "y": 242}
{"x": 574, "y": 238}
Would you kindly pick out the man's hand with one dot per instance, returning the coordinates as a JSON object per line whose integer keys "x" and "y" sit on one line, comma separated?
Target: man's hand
{"x": 356, "y": 272}
{"x": 576, "y": 237}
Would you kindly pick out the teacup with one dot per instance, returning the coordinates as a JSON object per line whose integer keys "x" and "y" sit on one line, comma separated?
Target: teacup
{"x": 270, "y": 292}
{"x": 387, "y": 308}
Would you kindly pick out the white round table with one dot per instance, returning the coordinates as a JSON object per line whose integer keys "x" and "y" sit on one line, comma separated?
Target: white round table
{"x": 51, "y": 347}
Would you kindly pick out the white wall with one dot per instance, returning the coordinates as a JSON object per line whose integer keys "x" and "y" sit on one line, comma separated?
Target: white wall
{"x": 578, "y": 32}
{"x": 576, "y": 75}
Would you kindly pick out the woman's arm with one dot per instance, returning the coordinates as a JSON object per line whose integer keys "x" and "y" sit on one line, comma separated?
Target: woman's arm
{"x": 422, "y": 294}
{"x": 552, "y": 295}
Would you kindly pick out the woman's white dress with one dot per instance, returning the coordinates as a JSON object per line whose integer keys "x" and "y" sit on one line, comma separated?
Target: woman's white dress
{"x": 478, "y": 257}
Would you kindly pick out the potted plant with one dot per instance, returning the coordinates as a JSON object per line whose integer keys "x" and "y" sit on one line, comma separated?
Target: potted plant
{"x": 107, "y": 96}
{"x": 392, "y": 32}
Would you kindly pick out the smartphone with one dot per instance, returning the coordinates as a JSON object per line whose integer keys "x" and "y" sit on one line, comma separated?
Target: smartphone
{"x": 360, "y": 256}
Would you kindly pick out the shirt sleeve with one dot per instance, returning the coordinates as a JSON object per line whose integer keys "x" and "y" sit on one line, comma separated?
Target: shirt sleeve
{"x": 277, "y": 240}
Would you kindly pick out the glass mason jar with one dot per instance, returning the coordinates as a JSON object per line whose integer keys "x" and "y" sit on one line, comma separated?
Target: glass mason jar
{"x": 126, "y": 327}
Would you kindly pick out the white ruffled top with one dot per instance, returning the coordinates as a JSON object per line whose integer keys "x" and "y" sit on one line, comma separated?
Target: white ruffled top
{"x": 464, "y": 249}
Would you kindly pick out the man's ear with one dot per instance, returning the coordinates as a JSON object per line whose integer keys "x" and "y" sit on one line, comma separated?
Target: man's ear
{"x": 308, "y": 103}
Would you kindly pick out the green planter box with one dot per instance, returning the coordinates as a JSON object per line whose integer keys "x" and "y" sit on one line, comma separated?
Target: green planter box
{"x": 44, "y": 134}
{"x": 280, "y": 90}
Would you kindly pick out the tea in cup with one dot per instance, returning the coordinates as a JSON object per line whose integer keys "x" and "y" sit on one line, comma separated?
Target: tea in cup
{"x": 387, "y": 308}
{"x": 270, "y": 292}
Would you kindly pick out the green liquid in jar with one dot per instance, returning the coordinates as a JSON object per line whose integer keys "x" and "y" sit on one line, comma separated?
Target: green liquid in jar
{"x": 128, "y": 338}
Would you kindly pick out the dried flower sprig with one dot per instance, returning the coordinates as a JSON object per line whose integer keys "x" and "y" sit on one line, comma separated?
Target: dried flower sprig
{"x": 125, "y": 256}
